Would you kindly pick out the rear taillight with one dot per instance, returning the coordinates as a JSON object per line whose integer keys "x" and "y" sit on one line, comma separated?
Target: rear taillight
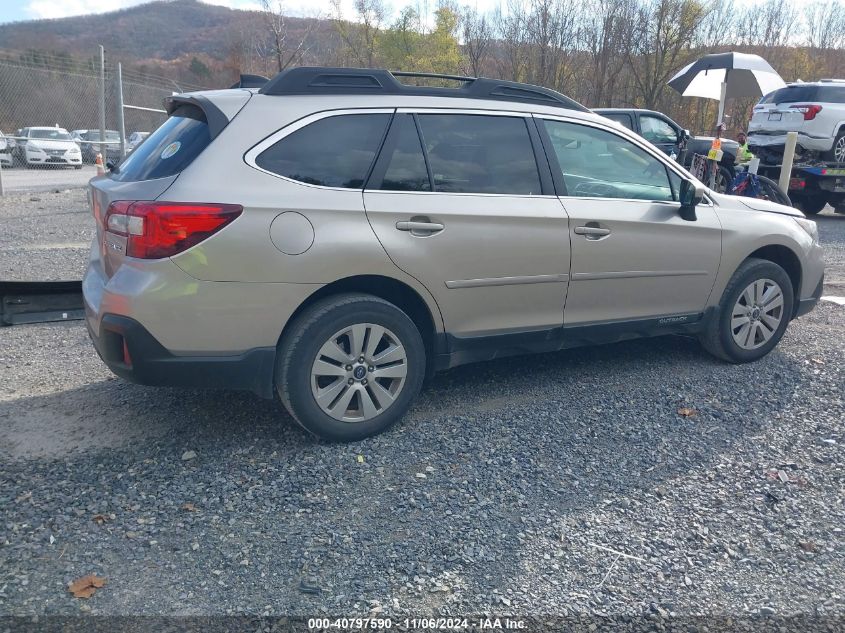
{"x": 162, "y": 229}
{"x": 809, "y": 111}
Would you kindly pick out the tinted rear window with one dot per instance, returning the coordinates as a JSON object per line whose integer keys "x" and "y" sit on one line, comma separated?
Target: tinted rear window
{"x": 794, "y": 94}
{"x": 168, "y": 150}
{"x": 333, "y": 152}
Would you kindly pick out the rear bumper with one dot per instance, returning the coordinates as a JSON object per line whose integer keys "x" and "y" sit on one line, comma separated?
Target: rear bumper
{"x": 134, "y": 354}
{"x": 777, "y": 139}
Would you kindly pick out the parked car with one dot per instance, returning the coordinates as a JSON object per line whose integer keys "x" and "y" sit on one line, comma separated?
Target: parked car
{"x": 5, "y": 150}
{"x": 352, "y": 240}
{"x": 660, "y": 130}
{"x": 47, "y": 146}
{"x": 816, "y": 110}
{"x": 135, "y": 139}
{"x": 89, "y": 144}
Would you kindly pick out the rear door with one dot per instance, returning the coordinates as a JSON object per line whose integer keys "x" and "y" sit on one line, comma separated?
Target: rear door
{"x": 473, "y": 218}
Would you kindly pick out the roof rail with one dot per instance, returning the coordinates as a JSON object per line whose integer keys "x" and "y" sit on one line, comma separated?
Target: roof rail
{"x": 832, "y": 81}
{"x": 306, "y": 80}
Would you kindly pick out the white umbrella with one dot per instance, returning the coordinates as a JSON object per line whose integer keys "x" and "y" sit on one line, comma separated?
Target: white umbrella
{"x": 725, "y": 76}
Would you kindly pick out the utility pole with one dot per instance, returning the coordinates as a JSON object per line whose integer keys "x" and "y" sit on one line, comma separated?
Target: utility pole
{"x": 121, "y": 124}
{"x": 103, "y": 103}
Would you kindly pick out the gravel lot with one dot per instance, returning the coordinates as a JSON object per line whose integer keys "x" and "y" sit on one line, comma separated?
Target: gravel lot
{"x": 498, "y": 494}
{"x": 21, "y": 179}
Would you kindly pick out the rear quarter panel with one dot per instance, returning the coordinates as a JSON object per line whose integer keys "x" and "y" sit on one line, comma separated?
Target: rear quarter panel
{"x": 341, "y": 242}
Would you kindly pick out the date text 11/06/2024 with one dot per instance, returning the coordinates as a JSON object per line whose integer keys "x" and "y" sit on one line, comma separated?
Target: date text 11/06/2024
{"x": 431, "y": 624}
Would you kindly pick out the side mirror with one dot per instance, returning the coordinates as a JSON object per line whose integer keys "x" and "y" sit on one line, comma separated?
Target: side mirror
{"x": 690, "y": 196}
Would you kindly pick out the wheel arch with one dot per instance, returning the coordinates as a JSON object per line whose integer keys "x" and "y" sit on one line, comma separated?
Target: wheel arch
{"x": 787, "y": 259}
{"x": 402, "y": 295}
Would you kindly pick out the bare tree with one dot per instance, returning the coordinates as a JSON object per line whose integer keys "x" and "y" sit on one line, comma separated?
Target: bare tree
{"x": 510, "y": 30}
{"x": 477, "y": 32}
{"x": 825, "y": 25}
{"x": 660, "y": 44}
{"x": 607, "y": 30}
{"x": 285, "y": 48}
{"x": 360, "y": 36}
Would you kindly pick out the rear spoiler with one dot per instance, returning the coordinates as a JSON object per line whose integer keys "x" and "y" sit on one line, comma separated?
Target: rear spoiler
{"x": 214, "y": 116}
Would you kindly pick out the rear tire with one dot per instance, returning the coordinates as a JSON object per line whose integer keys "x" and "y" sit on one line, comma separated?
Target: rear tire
{"x": 322, "y": 380}
{"x": 752, "y": 316}
{"x": 837, "y": 152}
{"x": 813, "y": 204}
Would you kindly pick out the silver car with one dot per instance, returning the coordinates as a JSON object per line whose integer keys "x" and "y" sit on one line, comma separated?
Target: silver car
{"x": 335, "y": 236}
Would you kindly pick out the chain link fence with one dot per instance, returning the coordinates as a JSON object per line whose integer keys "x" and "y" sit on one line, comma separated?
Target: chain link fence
{"x": 50, "y": 107}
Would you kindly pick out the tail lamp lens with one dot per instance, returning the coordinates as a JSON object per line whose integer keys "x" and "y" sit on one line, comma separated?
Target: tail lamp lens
{"x": 154, "y": 230}
{"x": 810, "y": 111}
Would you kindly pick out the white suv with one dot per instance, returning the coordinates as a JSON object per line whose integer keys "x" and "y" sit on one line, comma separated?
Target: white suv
{"x": 815, "y": 110}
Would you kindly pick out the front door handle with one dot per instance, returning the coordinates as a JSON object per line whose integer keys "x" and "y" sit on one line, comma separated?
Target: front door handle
{"x": 420, "y": 228}
{"x": 592, "y": 232}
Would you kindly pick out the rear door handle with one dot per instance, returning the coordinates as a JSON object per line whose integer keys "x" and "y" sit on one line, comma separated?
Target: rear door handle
{"x": 592, "y": 232}
{"x": 420, "y": 227}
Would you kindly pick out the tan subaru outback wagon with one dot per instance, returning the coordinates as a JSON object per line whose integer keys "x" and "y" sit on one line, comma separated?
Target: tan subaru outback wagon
{"x": 336, "y": 235}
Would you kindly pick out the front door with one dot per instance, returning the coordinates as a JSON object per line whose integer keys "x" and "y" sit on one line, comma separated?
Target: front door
{"x": 467, "y": 217}
{"x": 633, "y": 256}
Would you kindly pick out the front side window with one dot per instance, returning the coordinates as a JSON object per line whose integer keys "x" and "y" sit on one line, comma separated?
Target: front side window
{"x": 596, "y": 163}
{"x": 470, "y": 153}
{"x": 657, "y": 130}
{"x": 336, "y": 151}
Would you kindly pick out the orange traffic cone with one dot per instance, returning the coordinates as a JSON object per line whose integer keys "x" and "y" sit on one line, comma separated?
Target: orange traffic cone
{"x": 98, "y": 162}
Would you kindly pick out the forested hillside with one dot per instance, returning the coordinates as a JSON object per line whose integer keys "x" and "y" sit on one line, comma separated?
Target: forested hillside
{"x": 600, "y": 52}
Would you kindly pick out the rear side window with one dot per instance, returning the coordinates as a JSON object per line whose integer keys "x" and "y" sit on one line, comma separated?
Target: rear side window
{"x": 333, "y": 152}
{"x": 470, "y": 153}
{"x": 168, "y": 150}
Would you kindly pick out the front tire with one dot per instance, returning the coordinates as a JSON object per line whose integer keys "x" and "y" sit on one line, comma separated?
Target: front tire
{"x": 350, "y": 366}
{"x": 753, "y": 313}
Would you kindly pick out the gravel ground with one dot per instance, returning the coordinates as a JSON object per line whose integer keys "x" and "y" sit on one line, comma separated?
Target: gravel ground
{"x": 502, "y": 492}
{"x": 21, "y": 179}
{"x": 45, "y": 236}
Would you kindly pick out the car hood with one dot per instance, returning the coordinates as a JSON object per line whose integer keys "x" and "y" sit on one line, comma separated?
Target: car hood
{"x": 756, "y": 204}
{"x": 44, "y": 143}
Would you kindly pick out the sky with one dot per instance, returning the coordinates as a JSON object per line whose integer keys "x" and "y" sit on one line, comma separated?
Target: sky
{"x": 16, "y": 10}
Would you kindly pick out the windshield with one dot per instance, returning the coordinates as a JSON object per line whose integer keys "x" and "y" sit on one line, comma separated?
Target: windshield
{"x": 53, "y": 135}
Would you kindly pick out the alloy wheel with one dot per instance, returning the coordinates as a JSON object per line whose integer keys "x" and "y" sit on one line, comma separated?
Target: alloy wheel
{"x": 757, "y": 314}
{"x": 359, "y": 372}
{"x": 839, "y": 150}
